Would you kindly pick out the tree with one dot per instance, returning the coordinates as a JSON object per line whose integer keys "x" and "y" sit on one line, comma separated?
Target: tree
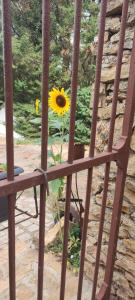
{"x": 27, "y": 44}
{"x": 88, "y": 32}
{"x": 26, "y": 16}
{"x": 26, "y": 69}
{"x": 27, "y": 20}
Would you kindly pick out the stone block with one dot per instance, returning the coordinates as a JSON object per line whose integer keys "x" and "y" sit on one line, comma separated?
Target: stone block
{"x": 108, "y": 74}
{"x": 53, "y": 234}
{"x": 132, "y": 145}
{"x": 131, "y": 166}
{"x": 112, "y": 24}
{"x": 114, "y": 7}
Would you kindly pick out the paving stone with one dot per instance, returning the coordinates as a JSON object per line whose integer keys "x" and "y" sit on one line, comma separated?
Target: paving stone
{"x": 24, "y": 237}
{"x": 26, "y": 254}
{"x": 23, "y": 292}
{"x": 27, "y": 266}
{"x": 33, "y": 227}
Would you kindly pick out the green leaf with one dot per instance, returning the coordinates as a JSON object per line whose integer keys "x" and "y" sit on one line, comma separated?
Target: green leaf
{"x": 56, "y": 157}
{"x": 50, "y": 153}
{"x": 56, "y": 185}
{"x": 36, "y": 121}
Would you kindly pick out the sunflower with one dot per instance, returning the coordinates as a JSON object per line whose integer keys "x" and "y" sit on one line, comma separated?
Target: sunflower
{"x": 59, "y": 102}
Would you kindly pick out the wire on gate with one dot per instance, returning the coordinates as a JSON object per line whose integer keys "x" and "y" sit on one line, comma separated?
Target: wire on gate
{"x": 45, "y": 178}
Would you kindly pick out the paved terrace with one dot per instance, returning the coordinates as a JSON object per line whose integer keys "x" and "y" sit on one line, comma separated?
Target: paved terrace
{"x": 28, "y": 157}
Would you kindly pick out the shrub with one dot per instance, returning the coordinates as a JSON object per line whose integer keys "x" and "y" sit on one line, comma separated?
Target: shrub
{"x": 28, "y": 123}
{"x": 83, "y": 120}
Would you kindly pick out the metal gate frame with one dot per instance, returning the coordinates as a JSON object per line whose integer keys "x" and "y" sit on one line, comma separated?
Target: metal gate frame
{"x": 119, "y": 153}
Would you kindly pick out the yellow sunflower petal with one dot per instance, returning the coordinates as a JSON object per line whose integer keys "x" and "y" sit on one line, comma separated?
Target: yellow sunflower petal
{"x": 59, "y": 102}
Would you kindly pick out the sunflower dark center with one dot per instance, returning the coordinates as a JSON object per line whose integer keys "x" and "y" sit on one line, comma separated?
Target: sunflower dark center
{"x": 61, "y": 101}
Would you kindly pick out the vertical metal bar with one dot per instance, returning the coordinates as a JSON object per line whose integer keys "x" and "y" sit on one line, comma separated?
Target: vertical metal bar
{"x": 127, "y": 131}
{"x": 8, "y": 88}
{"x": 44, "y": 137}
{"x": 121, "y": 177}
{"x": 118, "y": 73}
{"x": 92, "y": 145}
{"x": 110, "y": 140}
{"x": 98, "y": 75}
{"x": 11, "y": 246}
{"x": 75, "y": 62}
{"x": 8, "y": 82}
{"x": 45, "y": 79}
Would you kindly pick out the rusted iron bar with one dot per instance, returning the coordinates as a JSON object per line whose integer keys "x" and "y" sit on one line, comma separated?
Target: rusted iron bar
{"x": 130, "y": 100}
{"x": 110, "y": 140}
{"x": 75, "y": 63}
{"x": 118, "y": 73}
{"x": 8, "y": 90}
{"x": 92, "y": 145}
{"x": 29, "y": 180}
{"x": 45, "y": 79}
{"x": 120, "y": 180}
{"x": 44, "y": 138}
{"x": 11, "y": 246}
{"x": 98, "y": 75}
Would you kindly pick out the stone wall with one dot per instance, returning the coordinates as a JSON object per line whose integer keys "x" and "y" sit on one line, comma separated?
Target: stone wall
{"x": 124, "y": 274}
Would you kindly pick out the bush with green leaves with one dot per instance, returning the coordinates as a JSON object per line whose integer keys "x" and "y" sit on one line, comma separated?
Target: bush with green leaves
{"x": 27, "y": 44}
{"x": 83, "y": 118}
{"x": 74, "y": 247}
{"x": 27, "y": 123}
{"x": 26, "y": 69}
{"x": 27, "y": 32}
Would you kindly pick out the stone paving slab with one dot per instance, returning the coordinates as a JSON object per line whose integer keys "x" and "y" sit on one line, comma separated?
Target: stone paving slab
{"x": 26, "y": 274}
{"x": 28, "y": 157}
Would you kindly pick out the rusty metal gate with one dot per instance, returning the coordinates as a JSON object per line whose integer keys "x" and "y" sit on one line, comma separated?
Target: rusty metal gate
{"x": 118, "y": 153}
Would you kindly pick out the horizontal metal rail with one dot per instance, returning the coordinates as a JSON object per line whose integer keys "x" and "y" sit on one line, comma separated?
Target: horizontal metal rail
{"x": 29, "y": 180}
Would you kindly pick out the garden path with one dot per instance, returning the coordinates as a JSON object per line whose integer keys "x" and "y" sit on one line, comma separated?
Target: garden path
{"x": 28, "y": 157}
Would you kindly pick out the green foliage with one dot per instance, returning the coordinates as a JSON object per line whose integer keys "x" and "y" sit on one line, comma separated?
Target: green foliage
{"x": 88, "y": 32}
{"x": 29, "y": 124}
{"x": 27, "y": 70}
{"x": 26, "y": 17}
{"x": 56, "y": 247}
{"x": 62, "y": 18}
{"x": 59, "y": 123}
{"x": 27, "y": 29}
{"x": 57, "y": 187}
{"x": 3, "y": 167}
{"x": 25, "y": 113}
{"x": 74, "y": 246}
{"x": 58, "y": 127}
{"x": 61, "y": 44}
{"x": 83, "y": 120}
